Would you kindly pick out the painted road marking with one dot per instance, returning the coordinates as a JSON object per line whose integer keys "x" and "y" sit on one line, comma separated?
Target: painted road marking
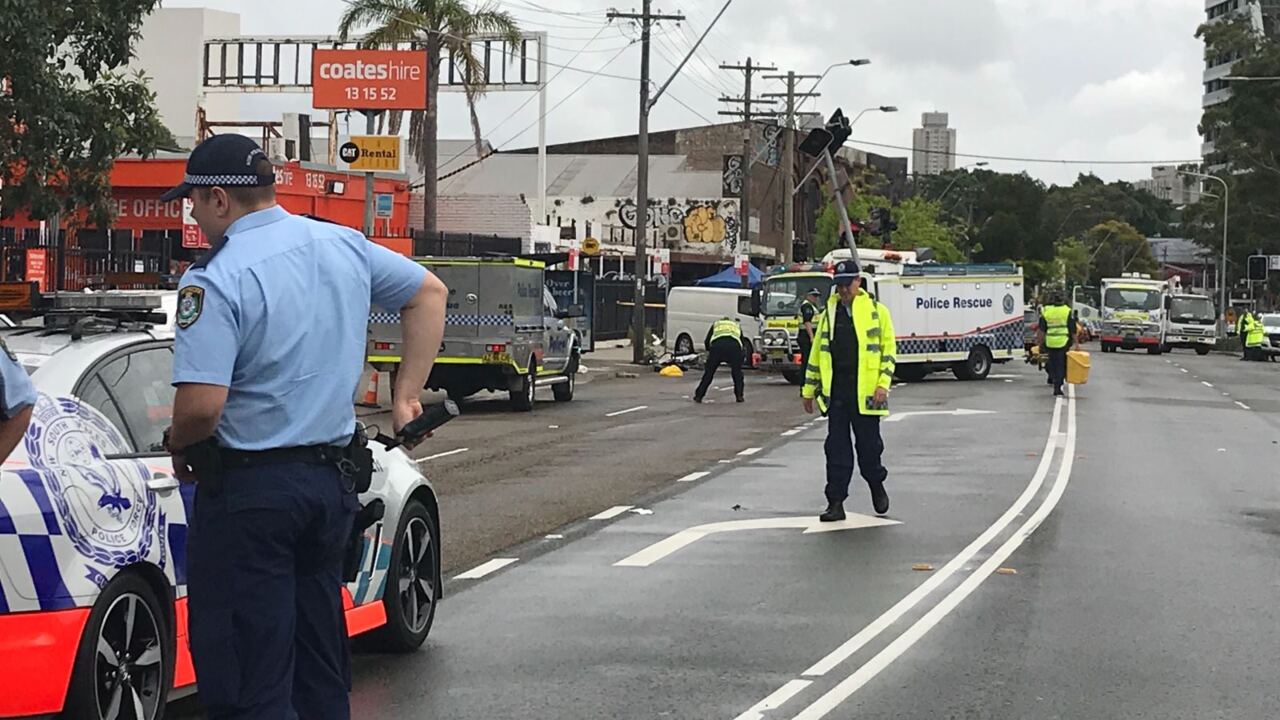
{"x": 748, "y": 452}
{"x": 860, "y": 677}
{"x": 694, "y": 476}
{"x": 1243, "y": 406}
{"x": 957, "y": 563}
{"x": 808, "y": 523}
{"x": 776, "y": 700}
{"x": 480, "y": 571}
{"x": 437, "y": 456}
{"x": 628, "y": 410}
{"x": 959, "y": 411}
{"x": 612, "y": 512}
{"x": 1206, "y": 384}
{"x": 1183, "y": 369}
{"x": 792, "y": 431}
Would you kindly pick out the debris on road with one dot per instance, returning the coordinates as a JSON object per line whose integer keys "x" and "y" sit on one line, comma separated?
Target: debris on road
{"x": 625, "y": 375}
{"x": 922, "y": 567}
{"x": 1006, "y": 571}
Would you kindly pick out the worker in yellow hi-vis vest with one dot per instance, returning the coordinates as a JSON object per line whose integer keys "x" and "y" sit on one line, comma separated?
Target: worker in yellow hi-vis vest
{"x": 724, "y": 346}
{"x": 1058, "y": 333}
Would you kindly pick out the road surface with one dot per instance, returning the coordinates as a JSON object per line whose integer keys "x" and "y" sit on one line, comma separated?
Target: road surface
{"x": 1115, "y": 554}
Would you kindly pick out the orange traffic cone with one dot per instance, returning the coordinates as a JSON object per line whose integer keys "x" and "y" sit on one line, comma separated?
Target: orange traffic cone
{"x": 371, "y": 392}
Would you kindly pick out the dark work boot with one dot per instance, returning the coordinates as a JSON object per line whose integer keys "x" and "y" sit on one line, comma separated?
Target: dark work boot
{"x": 697, "y": 399}
{"x": 741, "y": 399}
{"x": 834, "y": 513}
{"x": 1057, "y": 391}
{"x": 879, "y": 498}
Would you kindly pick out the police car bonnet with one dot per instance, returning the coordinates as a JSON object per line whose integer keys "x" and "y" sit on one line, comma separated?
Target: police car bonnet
{"x": 225, "y": 161}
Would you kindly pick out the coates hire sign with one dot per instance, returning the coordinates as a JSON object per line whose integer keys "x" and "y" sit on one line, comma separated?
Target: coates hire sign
{"x": 369, "y": 79}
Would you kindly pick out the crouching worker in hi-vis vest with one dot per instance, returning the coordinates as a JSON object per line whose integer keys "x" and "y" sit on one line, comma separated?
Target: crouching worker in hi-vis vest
{"x": 724, "y": 346}
{"x": 849, "y": 372}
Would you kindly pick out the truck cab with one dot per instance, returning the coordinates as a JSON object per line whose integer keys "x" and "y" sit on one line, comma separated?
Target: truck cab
{"x": 1190, "y": 323}
{"x": 778, "y": 303}
{"x": 504, "y": 332}
{"x": 1133, "y": 315}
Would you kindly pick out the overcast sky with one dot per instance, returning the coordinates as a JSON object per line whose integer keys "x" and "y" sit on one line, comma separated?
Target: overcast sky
{"x": 1059, "y": 79}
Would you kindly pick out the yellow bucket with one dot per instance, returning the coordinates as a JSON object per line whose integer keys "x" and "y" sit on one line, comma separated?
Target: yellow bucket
{"x": 1078, "y": 367}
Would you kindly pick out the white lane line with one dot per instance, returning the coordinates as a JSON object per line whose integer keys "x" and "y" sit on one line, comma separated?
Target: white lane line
{"x": 612, "y": 512}
{"x": 792, "y": 431}
{"x": 628, "y": 410}
{"x": 480, "y": 571}
{"x": 1183, "y": 369}
{"x": 880, "y": 624}
{"x": 1243, "y": 406}
{"x": 437, "y": 456}
{"x": 726, "y": 462}
{"x": 1206, "y": 384}
{"x": 724, "y": 389}
{"x": 776, "y": 700}
{"x": 749, "y": 452}
{"x": 860, "y": 677}
{"x": 694, "y": 476}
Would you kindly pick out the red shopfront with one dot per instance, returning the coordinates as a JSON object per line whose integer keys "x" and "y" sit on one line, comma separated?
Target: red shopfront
{"x": 146, "y": 236}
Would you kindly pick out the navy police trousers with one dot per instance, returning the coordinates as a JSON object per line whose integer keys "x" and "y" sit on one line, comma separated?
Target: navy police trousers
{"x": 264, "y": 569}
{"x": 841, "y": 418}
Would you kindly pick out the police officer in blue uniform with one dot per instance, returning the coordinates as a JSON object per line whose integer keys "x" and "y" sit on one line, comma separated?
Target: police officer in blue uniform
{"x": 17, "y": 397}
{"x": 270, "y": 343}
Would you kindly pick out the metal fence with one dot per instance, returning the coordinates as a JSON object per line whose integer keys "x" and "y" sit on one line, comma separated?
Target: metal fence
{"x": 86, "y": 259}
{"x": 445, "y": 244}
{"x": 615, "y": 300}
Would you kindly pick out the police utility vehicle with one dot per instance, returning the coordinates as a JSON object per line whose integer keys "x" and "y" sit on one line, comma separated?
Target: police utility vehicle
{"x": 962, "y": 318}
{"x": 503, "y": 332}
{"x": 94, "y": 525}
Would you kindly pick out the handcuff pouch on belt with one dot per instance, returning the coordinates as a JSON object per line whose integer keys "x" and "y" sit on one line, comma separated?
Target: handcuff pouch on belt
{"x": 356, "y": 463}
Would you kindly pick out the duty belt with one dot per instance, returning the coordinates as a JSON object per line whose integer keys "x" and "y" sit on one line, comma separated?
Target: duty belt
{"x": 309, "y": 455}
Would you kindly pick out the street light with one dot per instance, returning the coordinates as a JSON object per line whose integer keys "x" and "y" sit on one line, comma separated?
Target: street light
{"x": 1068, "y": 217}
{"x": 1222, "y": 287}
{"x": 882, "y": 108}
{"x": 847, "y": 63}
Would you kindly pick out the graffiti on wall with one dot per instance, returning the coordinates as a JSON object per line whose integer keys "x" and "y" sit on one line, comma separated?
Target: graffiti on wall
{"x": 703, "y": 226}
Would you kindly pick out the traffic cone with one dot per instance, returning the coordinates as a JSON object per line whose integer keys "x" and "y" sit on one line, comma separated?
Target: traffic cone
{"x": 371, "y": 392}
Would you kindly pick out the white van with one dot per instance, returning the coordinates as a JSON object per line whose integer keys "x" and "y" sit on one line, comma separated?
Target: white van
{"x": 692, "y": 310}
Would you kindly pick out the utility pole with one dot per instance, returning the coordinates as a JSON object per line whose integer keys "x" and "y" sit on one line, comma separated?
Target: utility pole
{"x": 646, "y": 20}
{"x": 788, "y": 156}
{"x": 747, "y": 114}
{"x": 369, "y": 116}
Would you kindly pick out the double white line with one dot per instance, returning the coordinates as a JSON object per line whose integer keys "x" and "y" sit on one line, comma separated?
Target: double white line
{"x": 1058, "y": 440}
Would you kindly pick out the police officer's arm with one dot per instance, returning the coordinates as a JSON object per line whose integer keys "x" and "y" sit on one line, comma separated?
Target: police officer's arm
{"x": 206, "y": 344}
{"x": 398, "y": 283}
{"x": 806, "y": 314}
{"x": 888, "y": 353}
{"x": 17, "y": 397}
{"x": 812, "y": 375}
{"x": 1041, "y": 329}
{"x": 706, "y": 342}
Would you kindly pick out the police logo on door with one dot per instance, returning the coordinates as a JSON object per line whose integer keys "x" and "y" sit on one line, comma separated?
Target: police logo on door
{"x": 1008, "y": 304}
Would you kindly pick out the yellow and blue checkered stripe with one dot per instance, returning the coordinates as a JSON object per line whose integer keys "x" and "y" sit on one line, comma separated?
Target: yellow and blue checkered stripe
{"x": 451, "y": 319}
{"x": 1007, "y": 335}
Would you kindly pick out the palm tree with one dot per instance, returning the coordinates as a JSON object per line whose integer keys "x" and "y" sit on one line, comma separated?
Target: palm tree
{"x": 434, "y": 25}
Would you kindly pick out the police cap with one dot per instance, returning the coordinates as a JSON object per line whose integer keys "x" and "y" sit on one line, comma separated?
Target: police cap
{"x": 224, "y": 161}
{"x": 847, "y": 271}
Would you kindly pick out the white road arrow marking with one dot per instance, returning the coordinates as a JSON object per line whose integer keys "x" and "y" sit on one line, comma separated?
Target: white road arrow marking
{"x": 959, "y": 411}
{"x": 808, "y": 523}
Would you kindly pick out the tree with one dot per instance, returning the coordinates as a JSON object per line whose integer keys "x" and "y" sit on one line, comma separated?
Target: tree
{"x": 433, "y": 25}
{"x": 919, "y": 226}
{"x": 69, "y": 107}
{"x": 1073, "y": 257}
{"x": 1246, "y": 149}
{"x": 1117, "y": 247}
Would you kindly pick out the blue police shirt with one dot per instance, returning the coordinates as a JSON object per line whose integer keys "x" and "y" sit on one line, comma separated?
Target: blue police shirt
{"x": 279, "y": 316}
{"x": 16, "y": 390}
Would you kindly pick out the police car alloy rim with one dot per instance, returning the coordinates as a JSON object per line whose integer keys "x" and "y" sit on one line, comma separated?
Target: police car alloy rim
{"x": 128, "y": 662}
{"x": 417, "y": 575}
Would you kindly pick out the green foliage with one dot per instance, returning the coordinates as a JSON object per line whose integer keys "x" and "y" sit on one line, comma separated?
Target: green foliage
{"x": 1118, "y": 247}
{"x": 72, "y": 108}
{"x": 1073, "y": 258}
{"x": 919, "y": 226}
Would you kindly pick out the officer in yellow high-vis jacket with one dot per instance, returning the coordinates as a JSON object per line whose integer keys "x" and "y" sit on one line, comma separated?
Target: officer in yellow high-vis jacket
{"x": 1057, "y": 333}
{"x": 849, "y": 373}
{"x": 724, "y": 346}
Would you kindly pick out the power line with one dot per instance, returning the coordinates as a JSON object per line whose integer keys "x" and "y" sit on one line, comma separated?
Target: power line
{"x": 1024, "y": 159}
{"x": 563, "y": 13}
{"x": 686, "y": 106}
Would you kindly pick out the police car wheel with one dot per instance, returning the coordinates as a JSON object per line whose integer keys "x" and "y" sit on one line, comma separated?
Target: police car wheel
{"x": 684, "y": 345}
{"x": 563, "y": 392}
{"x": 524, "y": 394}
{"x": 412, "y": 583}
{"x": 124, "y": 666}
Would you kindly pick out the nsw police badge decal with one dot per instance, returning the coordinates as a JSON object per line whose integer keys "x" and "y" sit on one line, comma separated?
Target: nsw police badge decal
{"x": 190, "y": 303}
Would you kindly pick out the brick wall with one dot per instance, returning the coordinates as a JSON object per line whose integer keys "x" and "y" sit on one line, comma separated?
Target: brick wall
{"x": 505, "y": 215}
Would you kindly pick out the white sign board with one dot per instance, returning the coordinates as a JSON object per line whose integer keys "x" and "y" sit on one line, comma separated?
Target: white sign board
{"x": 1274, "y": 263}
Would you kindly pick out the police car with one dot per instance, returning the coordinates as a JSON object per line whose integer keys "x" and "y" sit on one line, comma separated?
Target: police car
{"x": 93, "y": 525}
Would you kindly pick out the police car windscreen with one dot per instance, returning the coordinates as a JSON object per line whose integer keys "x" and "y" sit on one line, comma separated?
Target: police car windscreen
{"x": 1132, "y": 299}
{"x": 1191, "y": 309}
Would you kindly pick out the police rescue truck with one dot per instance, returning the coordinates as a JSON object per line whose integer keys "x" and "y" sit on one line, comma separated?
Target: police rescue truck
{"x": 964, "y": 318}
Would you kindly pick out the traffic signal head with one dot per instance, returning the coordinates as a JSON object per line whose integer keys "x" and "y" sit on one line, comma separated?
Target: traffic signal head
{"x": 1257, "y": 268}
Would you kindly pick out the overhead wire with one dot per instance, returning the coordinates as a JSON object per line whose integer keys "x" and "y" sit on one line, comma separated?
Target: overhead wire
{"x": 1058, "y": 161}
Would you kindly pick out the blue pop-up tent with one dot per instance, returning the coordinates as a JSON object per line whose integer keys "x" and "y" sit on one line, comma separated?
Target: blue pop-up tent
{"x": 729, "y": 278}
